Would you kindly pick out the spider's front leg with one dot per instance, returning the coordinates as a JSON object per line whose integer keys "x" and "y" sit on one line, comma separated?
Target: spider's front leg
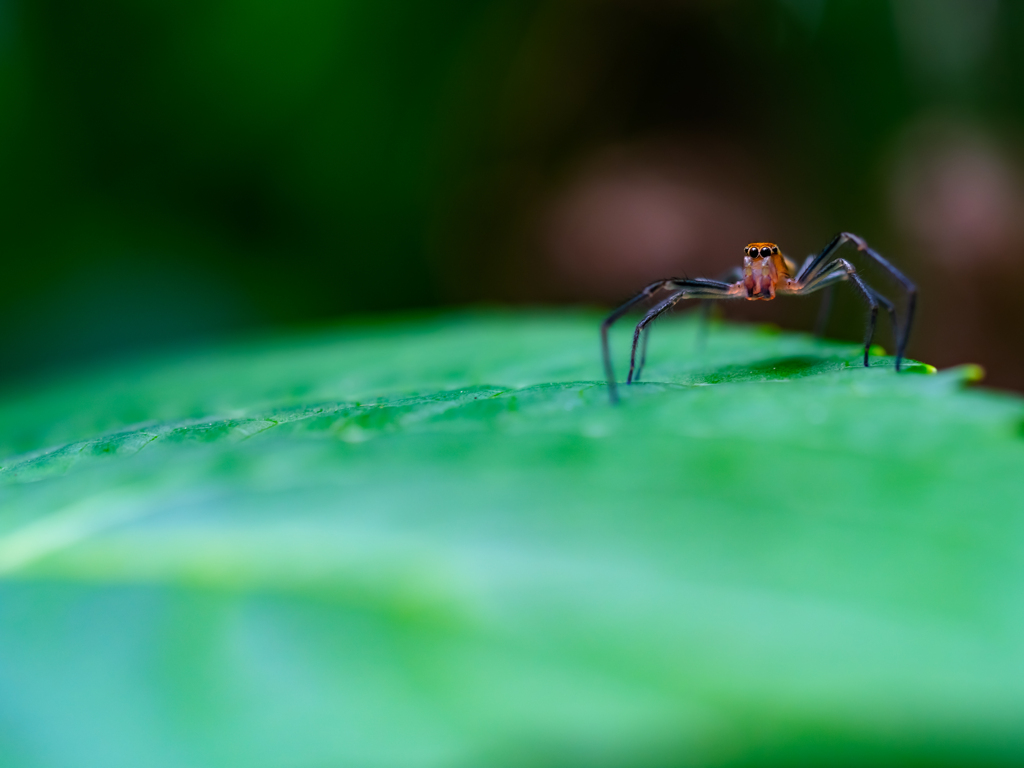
{"x": 649, "y": 318}
{"x": 732, "y": 276}
{"x": 683, "y": 288}
{"x": 646, "y": 293}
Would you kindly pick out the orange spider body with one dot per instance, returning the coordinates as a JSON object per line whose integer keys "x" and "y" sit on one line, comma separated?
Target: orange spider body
{"x": 764, "y": 268}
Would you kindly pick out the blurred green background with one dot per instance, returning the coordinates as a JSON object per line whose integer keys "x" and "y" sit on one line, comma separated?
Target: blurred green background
{"x": 173, "y": 171}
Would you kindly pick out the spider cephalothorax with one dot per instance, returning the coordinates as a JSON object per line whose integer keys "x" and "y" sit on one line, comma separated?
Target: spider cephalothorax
{"x": 763, "y": 267}
{"x": 766, "y": 271}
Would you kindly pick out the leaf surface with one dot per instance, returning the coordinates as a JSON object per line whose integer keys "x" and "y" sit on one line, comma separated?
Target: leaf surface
{"x": 432, "y": 542}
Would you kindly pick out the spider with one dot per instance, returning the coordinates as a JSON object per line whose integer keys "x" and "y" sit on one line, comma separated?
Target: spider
{"x": 766, "y": 271}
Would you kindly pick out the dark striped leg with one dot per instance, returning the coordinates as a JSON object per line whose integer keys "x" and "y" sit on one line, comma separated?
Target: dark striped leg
{"x": 734, "y": 274}
{"x": 661, "y": 308}
{"x": 823, "y": 312}
{"x": 890, "y": 308}
{"x": 819, "y": 264}
{"x": 609, "y": 372}
{"x": 695, "y": 288}
{"x": 831, "y": 274}
{"x": 644, "y": 340}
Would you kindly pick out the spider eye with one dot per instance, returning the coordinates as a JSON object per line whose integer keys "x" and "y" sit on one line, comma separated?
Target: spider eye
{"x": 752, "y": 251}
{"x": 775, "y": 250}
{"x": 766, "y": 251}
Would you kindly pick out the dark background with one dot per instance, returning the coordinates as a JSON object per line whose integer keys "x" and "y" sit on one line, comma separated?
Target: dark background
{"x": 178, "y": 171}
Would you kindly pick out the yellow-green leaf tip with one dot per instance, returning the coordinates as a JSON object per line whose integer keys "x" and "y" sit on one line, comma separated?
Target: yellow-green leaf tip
{"x": 972, "y": 372}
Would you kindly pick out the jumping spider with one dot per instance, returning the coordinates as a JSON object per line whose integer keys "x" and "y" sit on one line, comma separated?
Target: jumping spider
{"x": 767, "y": 272}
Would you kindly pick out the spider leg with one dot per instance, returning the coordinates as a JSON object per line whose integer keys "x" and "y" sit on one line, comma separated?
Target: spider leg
{"x": 734, "y": 274}
{"x": 695, "y": 288}
{"x": 826, "y": 303}
{"x": 819, "y": 264}
{"x": 824, "y": 282}
{"x": 826, "y": 300}
{"x": 890, "y": 308}
{"x": 823, "y": 312}
{"x": 647, "y": 292}
{"x": 659, "y": 309}
{"x": 841, "y": 269}
{"x": 643, "y": 352}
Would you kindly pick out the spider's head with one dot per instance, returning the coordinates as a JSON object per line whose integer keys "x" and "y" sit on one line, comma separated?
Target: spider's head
{"x": 760, "y": 270}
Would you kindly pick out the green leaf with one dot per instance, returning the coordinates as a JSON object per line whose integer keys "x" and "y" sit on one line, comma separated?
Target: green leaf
{"x": 433, "y": 542}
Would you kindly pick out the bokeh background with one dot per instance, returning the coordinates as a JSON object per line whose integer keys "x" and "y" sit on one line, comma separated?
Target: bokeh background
{"x": 178, "y": 171}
